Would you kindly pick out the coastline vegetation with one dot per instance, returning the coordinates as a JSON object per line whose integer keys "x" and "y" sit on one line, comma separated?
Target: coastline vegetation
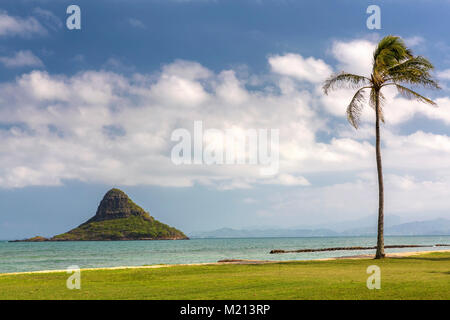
{"x": 133, "y": 227}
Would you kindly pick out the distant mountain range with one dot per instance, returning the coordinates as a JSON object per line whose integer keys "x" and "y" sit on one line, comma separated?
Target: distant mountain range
{"x": 419, "y": 228}
{"x": 430, "y": 227}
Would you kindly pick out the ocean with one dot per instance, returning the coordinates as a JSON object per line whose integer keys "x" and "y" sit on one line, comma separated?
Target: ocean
{"x": 35, "y": 256}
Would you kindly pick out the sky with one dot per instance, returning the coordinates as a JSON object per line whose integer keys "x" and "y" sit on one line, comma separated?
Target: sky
{"x": 82, "y": 111}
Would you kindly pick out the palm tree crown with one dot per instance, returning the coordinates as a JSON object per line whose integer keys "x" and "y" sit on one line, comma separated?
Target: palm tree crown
{"x": 393, "y": 65}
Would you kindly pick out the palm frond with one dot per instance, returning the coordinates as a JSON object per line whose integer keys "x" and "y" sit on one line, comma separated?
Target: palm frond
{"x": 412, "y": 95}
{"x": 413, "y": 71}
{"x": 412, "y": 63}
{"x": 391, "y": 50}
{"x": 344, "y": 80}
{"x": 354, "y": 109}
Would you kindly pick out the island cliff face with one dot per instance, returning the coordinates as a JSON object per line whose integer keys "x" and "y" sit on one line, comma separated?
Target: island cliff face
{"x": 117, "y": 205}
{"x": 119, "y": 218}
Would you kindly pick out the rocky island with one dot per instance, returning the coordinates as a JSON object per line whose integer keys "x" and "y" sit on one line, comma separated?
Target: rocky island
{"x": 118, "y": 218}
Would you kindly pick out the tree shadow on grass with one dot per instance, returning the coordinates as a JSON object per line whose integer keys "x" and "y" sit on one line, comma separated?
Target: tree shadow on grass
{"x": 443, "y": 272}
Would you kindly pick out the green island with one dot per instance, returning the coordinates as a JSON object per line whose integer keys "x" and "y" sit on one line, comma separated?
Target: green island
{"x": 423, "y": 276}
{"x": 117, "y": 218}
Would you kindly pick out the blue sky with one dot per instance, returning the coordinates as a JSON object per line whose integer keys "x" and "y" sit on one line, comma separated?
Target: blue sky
{"x": 82, "y": 111}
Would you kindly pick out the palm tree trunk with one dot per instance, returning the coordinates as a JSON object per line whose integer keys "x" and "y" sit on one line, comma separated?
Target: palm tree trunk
{"x": 380, "y": 240}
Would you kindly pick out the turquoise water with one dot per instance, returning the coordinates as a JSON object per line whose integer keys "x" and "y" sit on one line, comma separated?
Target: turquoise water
{"x": 22, "y": 256}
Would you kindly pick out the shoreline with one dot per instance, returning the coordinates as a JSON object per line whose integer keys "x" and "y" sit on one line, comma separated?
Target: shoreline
{"x": 231, "y": 261}
{"x": 402, "y": 246}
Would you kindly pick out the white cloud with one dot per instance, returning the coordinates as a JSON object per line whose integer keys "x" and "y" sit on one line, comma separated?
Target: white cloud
{"x": 23, "y": 58}
{"x": 187, "y": 69}
{"x": 113, "y": 64}
{"x": 444, "y": 74}
{"x": 17, "y": 26}
{"x": 354, "y": 56}
{"x": 48, "y": 18}
{"x": 294, "y": 65}
{"x": 289, "y": 180}
{"x": 103, "y": 127}
{"x": 40, "y": 86}
{"x": 413, "y": 41}
{"x": 136, "y": 23}
{"x": 176, "y": 90}
{"x": 249, "y": 200}
{"x": 405, "y": 196}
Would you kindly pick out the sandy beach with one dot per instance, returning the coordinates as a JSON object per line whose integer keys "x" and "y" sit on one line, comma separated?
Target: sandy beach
{"x": 388, "y": 255}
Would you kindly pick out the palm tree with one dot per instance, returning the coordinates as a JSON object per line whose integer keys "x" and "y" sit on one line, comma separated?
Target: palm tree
{"x": 393, "y": 65}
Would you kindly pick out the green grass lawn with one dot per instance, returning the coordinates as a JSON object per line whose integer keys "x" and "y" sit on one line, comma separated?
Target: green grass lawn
{"x": 419, "y": 277}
